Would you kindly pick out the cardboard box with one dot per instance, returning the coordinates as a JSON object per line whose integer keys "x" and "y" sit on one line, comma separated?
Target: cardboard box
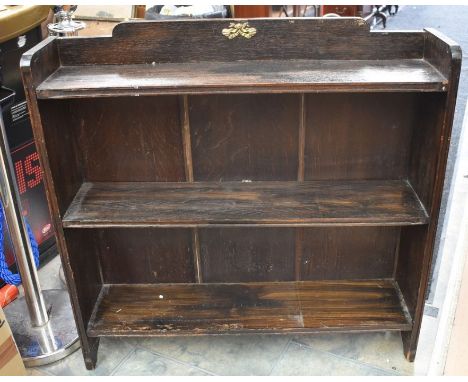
{"x": 10, "y": 359}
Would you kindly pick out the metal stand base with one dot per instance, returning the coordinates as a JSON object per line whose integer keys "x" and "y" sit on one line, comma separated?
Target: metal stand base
{"x": 51, "y": 342}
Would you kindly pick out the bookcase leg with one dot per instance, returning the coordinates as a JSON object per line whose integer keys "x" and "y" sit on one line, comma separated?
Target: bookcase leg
{"x": 90, "y": 349}
{"x": 409, "y": 345}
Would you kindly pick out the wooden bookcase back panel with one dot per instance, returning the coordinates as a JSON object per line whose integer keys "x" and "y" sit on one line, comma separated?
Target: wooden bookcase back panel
{"x": 227, "y": 144}
{"x": 199, "y": 41}
{"x": 155, "y": 255}
{"x": 248, "y": 138}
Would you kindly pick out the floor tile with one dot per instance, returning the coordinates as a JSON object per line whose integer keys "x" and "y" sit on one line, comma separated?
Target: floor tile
{"x": 112, "y": 352}
{"x": 302, "y": 360}
{"x": 142, "y": 362}
{"x": 224, "y": 355}
{"x": 380, "y": 349}
{"x": 35, "y": 372}
{"x": 49, "y": 275}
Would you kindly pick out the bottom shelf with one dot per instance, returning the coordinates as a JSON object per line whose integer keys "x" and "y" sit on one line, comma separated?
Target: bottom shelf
{"x": 294, "y": 307}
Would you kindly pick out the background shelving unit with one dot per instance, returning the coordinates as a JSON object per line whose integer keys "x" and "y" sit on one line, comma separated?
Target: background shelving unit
{"x": 287, "y": 182}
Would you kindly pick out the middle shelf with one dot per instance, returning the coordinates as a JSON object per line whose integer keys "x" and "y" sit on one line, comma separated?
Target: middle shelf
{"x": 277, "y": 203}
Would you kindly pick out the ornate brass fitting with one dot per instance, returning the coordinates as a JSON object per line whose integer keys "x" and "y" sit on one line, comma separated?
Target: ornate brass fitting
{"x": 239, "y": 29}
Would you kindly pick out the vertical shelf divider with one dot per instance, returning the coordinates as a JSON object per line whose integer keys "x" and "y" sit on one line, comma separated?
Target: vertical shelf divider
{"x": 185, "y": 122}
{"x": 300, "y": 178}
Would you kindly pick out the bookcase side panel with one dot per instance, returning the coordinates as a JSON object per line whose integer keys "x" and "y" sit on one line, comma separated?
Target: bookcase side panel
{"x": 63, "y": 151}
{"x": 428, "y": 175}
{"x": 37, "y": 64}
{"x": 86, "y": 268}
{"x": 425, "y": 146}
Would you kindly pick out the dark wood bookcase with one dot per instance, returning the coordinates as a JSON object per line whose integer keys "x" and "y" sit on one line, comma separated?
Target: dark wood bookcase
{"x": 244, "y": 176}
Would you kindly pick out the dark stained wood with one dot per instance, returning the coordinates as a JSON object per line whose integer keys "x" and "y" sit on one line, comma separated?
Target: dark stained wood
{"x": 293, "y": 307}
{"x": 187, "y": 145}
{"x": 409, "y": 270}
{"x": 131, "y": 139}
{"x": 86, "y": 269}
{"x": 266, "y": 76}
{"x": 235, "y": 203}
{"x": 173, "y": 125}
{"x": 42, "y": 59}
{"x": 185, "y": 122}
{"x": 247, "y": 254}
{"x": 141, "y": 255}
{"x": 65, "y": 155}
{"x": 36, "y": 65}
{"x": 342, "y": 253}
{"x": 300, "y": 178}
{"x": 298, "y": 254}
{"x": 425, "y": 141}
{"x": 201, "y": 40}
{"x": 301, "y": 138}
{"x": 372, "y": 144}
{"x": 446, "y": 55}
{"x": 197, "y": 255}
{"x": 245, "y": 137}
{"x": 441, "y": 52}
{"x": 422, "y": 174}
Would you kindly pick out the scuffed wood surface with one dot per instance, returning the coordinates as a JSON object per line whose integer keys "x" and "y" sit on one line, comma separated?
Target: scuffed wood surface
{"x": 242, "y": 76}
{"x": 308, "y": 203}
{"x": 191, "y": 309}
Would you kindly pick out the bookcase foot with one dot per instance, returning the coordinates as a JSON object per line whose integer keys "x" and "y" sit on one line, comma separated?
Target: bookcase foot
{"x": 90, "y": 353}
{"x": 409, "y": 345}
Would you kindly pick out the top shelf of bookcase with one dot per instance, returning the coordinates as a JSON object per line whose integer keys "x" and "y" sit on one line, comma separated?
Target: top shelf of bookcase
{"x": 256, "y": 76}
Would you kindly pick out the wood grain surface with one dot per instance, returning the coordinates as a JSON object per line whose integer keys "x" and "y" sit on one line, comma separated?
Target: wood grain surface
{"x": 334, "y": 253}
{"x": 139, "y": 255}
{"x": 236, "y": 203}
{"x": 247, "y": 254}
{"x": 265, "y": 76}
{"x": 374, "y": 143}
{"x": 244, "y": 137}
{"x": 202, "y": 40}
{"x": 193, "y": 309}
{"x": 136, "y": 139}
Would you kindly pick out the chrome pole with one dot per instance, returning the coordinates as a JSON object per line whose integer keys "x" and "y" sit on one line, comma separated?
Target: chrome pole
{"x": 48, "y": 333}
{"x": 19, "y": 235}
